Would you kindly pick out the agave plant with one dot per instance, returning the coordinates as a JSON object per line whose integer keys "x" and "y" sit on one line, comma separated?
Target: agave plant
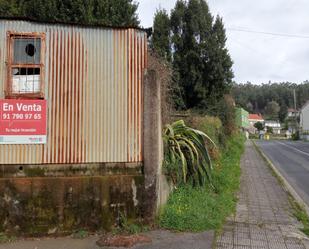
{"x": 186, "y": 153}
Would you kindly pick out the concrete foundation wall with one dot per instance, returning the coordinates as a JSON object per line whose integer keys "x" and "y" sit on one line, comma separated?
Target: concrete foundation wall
{"x": 44, "y": 205}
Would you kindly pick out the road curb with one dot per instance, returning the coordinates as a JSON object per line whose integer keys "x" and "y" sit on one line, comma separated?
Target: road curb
{"x": 286, "y": 185}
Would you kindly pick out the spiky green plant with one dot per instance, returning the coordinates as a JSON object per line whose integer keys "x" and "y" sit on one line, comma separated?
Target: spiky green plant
{"x": 186, "y": 156}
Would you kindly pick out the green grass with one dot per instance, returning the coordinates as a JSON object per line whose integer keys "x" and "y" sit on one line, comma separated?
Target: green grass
{"x": 6, "y": 239}
{"x": 301, "y": 215}
{"x": 203, "y": 208}
{"x": 130, "y": 226}
{"x": 80, "y": 234}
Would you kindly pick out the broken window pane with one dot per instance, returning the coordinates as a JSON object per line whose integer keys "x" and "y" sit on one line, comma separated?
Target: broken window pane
{"x": 26, "y": 80}
{"x": 27, "y": 51}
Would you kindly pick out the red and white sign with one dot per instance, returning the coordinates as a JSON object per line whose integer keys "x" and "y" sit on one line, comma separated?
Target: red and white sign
{"x": 22, "y": 121}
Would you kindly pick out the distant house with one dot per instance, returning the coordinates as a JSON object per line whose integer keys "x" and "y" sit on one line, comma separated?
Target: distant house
{"x": 274, "y": 124}
{"x": 242, "y": 118}
{"x": 304, "y": 117}
{"x": 292, "y": 113}
{"x": 254, "y": 118}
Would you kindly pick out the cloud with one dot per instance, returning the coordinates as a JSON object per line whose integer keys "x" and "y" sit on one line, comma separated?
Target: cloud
{"x": 258, "y": 57}
{"x": 147, "y": 9}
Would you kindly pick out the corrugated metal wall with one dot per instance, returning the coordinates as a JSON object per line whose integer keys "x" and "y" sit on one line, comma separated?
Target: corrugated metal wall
{"x": 93, "y": 87}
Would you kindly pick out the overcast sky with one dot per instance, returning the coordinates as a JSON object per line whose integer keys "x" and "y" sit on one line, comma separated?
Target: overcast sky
{"x": 258, "y": 57}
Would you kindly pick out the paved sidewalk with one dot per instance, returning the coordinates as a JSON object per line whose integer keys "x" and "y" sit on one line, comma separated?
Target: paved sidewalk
{"x": 263, "y": 217}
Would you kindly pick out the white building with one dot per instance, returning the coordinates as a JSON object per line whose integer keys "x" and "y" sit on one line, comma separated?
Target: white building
{"x": 292, "y": 113}
{"x": 254, "y": 118}
{"x": 275, "y": 125}
{"x": 304, "y": 117}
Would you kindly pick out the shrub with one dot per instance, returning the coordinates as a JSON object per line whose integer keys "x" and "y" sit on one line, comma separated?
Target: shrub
{"x": 296, "y": 136}
{"x": 212, "y": 126}
{"x": 186, "y": 157}
{"x": 204, "y": 207}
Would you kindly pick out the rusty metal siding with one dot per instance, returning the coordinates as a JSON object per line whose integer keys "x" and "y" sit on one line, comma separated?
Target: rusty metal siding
{"x": 93, "y": 87}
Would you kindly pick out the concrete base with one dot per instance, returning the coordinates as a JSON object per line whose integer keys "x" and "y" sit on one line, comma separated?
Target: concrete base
{"x": 57, "y": 205}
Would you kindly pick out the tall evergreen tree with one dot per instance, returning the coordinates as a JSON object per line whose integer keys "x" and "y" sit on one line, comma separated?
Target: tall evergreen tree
{"x": 115, "y": 12}
{"x": 39, "y": 9}
{"x": 201, "y": 61}
{"x": 10, "y": 8}
{"x": 104, "y": 12}
{"x": 161, "y": 34}
{"x": 177, "y": 47}
{"x": 219, "y": 67}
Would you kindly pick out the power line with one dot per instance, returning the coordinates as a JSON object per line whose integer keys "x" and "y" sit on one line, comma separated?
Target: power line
{"x": 269, "y": 33}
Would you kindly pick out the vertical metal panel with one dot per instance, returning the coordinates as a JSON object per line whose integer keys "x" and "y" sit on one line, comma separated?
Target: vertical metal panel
{"x": 93, "y": 86}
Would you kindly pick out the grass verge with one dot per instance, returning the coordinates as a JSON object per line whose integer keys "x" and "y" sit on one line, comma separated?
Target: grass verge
{"x": 6, "y": 239}
{"x": 297, "y": 209}
{"x": 202, "y": 208}
{"x": 300, "y": 214}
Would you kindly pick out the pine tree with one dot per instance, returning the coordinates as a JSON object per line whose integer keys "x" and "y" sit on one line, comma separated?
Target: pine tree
{"x": 161, "y": 34}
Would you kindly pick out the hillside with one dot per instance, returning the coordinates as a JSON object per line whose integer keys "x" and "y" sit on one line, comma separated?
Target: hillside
{"x": 263, "y": 98}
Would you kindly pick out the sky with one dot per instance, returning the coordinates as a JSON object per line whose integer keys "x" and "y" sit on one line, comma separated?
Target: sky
{"x": 282, "y": 55}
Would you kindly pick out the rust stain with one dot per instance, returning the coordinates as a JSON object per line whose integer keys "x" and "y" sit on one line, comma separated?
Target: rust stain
{"x": 56, "y": 93}
{"x": 78, "y": 128}
{"x": 78, "y": 109}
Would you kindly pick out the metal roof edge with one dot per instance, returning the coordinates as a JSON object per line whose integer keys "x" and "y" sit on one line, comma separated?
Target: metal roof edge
{"x": 28, "y": 19}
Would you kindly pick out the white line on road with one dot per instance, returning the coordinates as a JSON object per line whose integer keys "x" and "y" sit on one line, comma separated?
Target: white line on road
{"x": 300, "y": 151}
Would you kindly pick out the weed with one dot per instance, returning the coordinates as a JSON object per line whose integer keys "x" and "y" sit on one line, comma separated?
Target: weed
{"x": 6, "y": 238}
{"x": 202, "y": 208}
{"x": 80, "y": 234}
{"x": 127, "y": 226}
{"x": 301, "y": 215}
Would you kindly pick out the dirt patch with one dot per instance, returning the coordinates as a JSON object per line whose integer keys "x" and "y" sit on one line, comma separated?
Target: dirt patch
{"x": 122, "y": 240}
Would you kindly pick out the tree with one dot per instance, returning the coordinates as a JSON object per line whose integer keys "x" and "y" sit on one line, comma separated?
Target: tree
{"x": 161, "y": 34}
{"x": 9, "y": 8}
{"x": 270, "y": 129}
{"x": 103, "y": 12}
{"x": 260, "y": 95}
{"x": 115, "y": 12}
{"x": 249, "y": 107}
{"x": 201, "y": 61}
{"x": 226, "y": 113}
{"x": 40, "y": 9}
{"x": 177, "y": 30}
{"x": 259, "y": 126}
{"x": 219, "y": 67}
{"x": 283, "y": 112}
{"x": 272, "y": 109}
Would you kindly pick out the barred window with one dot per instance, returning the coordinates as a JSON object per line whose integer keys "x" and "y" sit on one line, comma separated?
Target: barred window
{"x": 25, "y": 65}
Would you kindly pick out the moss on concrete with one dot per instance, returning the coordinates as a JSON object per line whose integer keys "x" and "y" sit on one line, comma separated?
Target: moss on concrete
{"x": 43, "y": 205}
{"x": 33, "y": 172}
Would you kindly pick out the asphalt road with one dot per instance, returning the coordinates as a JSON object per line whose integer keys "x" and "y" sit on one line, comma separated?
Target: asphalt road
{"x": 292, "y": 160}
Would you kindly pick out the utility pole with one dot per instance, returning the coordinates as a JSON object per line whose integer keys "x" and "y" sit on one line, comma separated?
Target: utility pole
{"x": 294, "y": 99}
{"x": 295, "y": 116}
